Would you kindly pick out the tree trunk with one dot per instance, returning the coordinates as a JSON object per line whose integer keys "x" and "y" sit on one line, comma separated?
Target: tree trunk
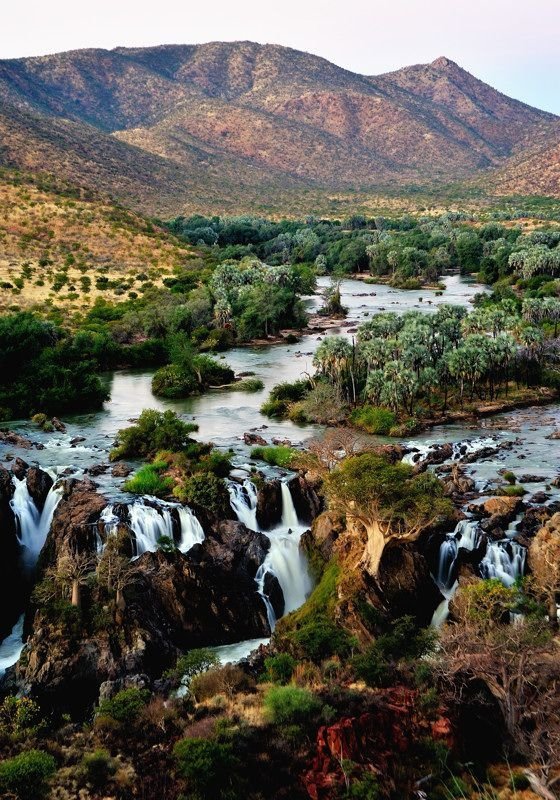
{"x": 121, "y": 605}
{"x": 374, "y": 548}
{"x": 76, "y": 593}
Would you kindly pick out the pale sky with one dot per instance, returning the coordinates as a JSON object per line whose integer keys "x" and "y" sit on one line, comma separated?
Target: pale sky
{"x": 512, "y": 44}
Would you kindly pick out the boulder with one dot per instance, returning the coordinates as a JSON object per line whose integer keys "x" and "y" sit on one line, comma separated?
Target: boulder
{"x": 121, "y": 470}
{"x": 254, "y": 439}
{"x": 97, "y": 469}
{"x": 506, "y": 508}
{"x": 19, "y": 468}
{"x": 39, "y": 484}
{"x": 10, "y": 437}
{"x": 307, "y": 502}
{"x": 269, "y": 504}
{"x": 58, "y": 425}
{"x": 405, "y": 585}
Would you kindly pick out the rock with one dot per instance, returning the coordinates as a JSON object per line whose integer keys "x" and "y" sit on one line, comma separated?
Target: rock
{"x": 58, "y": 425}
{"x": 531, "y": 479}
{"x": 307, "y": 502}
{"x": 405, "y": 585}
{"x": 121, "y": 470}
{"x": 457, "y": 484}
{"x": 326, "y": 530}
{"x": 97, "y": 469}
{"x": 503, "y": 507}
{"x": 273, "y": 591}
{"x": 554, "y": 435}
{"x": 19, "y": 468}
{"x": 281, "y": 442}
{"x": 76, "y": 440}
{"x": 392, "y": 452}
{"x": 39, "y": 484}
{"x": 539, "y": 498}
{"x": 10, "y": 437}
{"x": 269, "y": 504}
{"x": 555, "y": 482}
{"x": 254, "y": 439}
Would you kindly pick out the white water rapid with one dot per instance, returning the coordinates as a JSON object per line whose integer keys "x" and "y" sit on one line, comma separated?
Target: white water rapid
{"x": 33, "y": 525}
{"x": 284, "y": 559}
{"x": 11, "y": 647}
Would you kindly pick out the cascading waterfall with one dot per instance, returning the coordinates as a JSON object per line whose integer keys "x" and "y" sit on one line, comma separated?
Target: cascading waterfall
{"x": 150, "y": 522}
{"x": 11, "y": 647}
{"x": 460, "y": 449}
{"x": 192, "y": 531}
{"x": 284, "y": 559}
{"x": 504, "y": 560}
{"x": 243, "y": 499}
{"x": 33, "y": 525}
{"x": 466, "y": 536}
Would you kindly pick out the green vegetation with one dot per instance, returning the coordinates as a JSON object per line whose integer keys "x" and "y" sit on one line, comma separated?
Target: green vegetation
{"x": 26, "y": 775}
{"x": 373, "y": 419}
{"x": 209, "y": 767}
{"x": 291, "y": 705}
{"x": 148, "y": 480}
{"x": 205, "y": 490}
{"x": 282, "y": 396}
{"x": 125, "y": 707}
{"x": 277, "y": 455}
{"x": 154, "y": 431}
{"x": 192, "y": 664}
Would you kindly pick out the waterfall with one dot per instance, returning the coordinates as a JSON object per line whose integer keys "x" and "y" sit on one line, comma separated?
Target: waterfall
{"x": 191, "y": 530}
{"x": 466, "y": 536}
{"x": 284, "y": 559}
{"x": 11, "y": 647}
{"x": 419, "y": 451}
{"x": 33, "y": 525}
{"x": 243, "y": 498}
{"x": 504, "y": 560}
{"x": 149, "y": 524}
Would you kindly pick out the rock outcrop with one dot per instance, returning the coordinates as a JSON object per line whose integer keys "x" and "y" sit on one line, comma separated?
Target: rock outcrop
{"x": 39, "y": 484}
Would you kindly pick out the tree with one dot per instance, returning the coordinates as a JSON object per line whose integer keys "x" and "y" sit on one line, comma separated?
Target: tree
{"x": 544, "y": 558}
{"x": 386, "y": 501}
{"x": 115, "y": 571}
{"x": 154, "y": 430}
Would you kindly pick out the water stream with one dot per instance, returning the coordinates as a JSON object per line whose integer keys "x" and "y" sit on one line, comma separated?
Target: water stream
{"x": 223, "y": 416}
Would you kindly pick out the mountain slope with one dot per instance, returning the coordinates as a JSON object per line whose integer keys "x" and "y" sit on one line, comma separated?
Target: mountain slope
{"x": 533, "y": 171}
{"x": 172, "y": 127}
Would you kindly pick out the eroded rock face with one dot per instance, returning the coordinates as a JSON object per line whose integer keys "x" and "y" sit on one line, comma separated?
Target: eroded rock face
{"x": 39, "y": 484}
{"x": 405, "y": 585}
{"x": 172, "y": 603}
{"x": 307, "y": 502}
{"x": 269, "y": 504}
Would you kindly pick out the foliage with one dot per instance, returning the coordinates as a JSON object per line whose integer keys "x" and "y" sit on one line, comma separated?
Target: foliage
{"x": 209, "y": 767}
{"x": 155, "y": 430}
{"x": 279, "y": 668}
{"x": 20, "y": 716}
{"x": 98, "y": 768}
{"x": 125, "y": 707}
{"x": 289, "y": 705}
{"x": 148, "y": 480}
{"x": 374, "y": 420}
{"x": 192, "y": 664}
{"x": 282, "y": 396}
{"x": 207, "y": 491}
{"x": 26, "y": 775}
{"x": 276, "y": 455}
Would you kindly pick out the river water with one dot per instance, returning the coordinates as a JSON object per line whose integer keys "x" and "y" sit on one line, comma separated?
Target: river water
{"x": 223, "y": 416}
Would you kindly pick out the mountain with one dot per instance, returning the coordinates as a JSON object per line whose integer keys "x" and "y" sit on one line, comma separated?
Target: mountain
{"x": 215, "y": 125}
{"x": 534, "y": 170}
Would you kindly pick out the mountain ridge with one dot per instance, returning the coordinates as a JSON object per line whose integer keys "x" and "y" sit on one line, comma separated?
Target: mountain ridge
{"x": 225, "y": 119}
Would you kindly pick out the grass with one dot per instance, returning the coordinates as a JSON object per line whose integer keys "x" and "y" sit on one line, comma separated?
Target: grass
{"x": 276, "y": 455}
{"x": 247, "y": 385}
{"x": 148, "y": 480}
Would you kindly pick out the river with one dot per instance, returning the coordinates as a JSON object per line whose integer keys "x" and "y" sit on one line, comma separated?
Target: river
{"x": 223, "y": 416}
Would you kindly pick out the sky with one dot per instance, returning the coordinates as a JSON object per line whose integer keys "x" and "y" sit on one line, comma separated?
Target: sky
{"x": 512, "y": 44}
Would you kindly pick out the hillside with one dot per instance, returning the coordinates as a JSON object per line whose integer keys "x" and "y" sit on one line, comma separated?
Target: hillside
{"x": 534, "y": 170}
{"x": 59, "y": 243}
{"x": 240, "y": 125}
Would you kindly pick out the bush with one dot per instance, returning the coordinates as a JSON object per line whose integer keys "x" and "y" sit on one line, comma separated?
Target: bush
{"x": 280, "y": 668}
{"x": 148, "y": 480}
{"x": 509, "y": 477}
{"x": 98, "y": 767}
{"x": 513, "y": 491}
{"x": 125, "y": 707}
{"x": 248, "y": 385}
{"x": 374, "y": 420}
{"x": 227, "y": 680}
{"x": 282, "y": 396}
{"x": 207, "y": 491}
{"x": 290, "y": 705}
{"x": 192, "y": 664}
{"x": 209, "y": 767}
{"x": 155, "y": 430}
{"x": 20, "y": 716}
{"x": 276, "y": 455}
{"x": 173, "y": 382}
{"x": 26, "y": 775}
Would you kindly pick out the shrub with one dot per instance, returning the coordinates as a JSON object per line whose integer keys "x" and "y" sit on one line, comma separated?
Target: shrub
{"x": 322, "y": 405}
{"x": 26, "y": 775}
{"x": 207, "y": 491}
{"x": 155, "y": 430}
{"x": 173, "y": 382}
{"x": 276, "y": 455}
{"x": 513, "y": 491}
{"x": 280, "y": 668}
{"x": 248, "y": 385}
{"x": 509, "y": 477}
{"x": 20, "y": 716}
{"x": 148, "y": 480}
{"x": 98, "y": 767}
{"x": 209, "y": 767}
{"x": 289, "y": 705}
{"x": 282, "y": 396}
{"x": 125, "y": 707}
{"x": 374, "y": 420}
{"x": 192, "y": 664}
{"x": 227, "y": 680}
